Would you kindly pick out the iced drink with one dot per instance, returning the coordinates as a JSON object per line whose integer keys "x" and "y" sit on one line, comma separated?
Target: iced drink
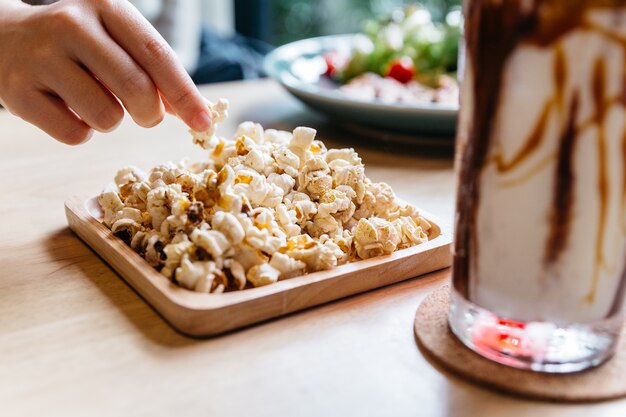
{"x": 539, "y": 262}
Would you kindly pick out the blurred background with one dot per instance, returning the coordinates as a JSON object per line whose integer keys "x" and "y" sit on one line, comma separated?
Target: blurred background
{"x": 281, "y": 21}
{"x": 238, "y": 33}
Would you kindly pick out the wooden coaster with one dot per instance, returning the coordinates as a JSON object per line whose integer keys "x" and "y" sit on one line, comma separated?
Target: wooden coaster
{"x": 608, "y": 381}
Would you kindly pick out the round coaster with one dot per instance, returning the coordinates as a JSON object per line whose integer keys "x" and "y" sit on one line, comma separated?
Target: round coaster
{"x": 605, "y": 382}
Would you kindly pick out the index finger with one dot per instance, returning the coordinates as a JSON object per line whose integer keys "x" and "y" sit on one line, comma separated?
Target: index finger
{"x": 148, "y": 48}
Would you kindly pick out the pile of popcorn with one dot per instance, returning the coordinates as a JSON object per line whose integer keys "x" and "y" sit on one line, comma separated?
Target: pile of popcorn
{"x": 267, "y": 205}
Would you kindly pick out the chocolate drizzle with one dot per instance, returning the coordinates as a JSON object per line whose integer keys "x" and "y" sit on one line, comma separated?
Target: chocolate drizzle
{"x": 563, "y": 196}
{"x": 494, "y": 29}
{"x": 623, "y": 217}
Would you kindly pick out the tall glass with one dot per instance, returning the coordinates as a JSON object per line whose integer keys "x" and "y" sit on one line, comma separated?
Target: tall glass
{"x": 539, "y": 266}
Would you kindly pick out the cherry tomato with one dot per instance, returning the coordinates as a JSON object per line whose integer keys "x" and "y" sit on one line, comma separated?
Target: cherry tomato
{"x": 334, "y": 63}
{"x": 401, "y": 69}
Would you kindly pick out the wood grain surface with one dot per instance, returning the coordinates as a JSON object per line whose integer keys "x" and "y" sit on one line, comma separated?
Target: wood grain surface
{"x": 75, "y": 340}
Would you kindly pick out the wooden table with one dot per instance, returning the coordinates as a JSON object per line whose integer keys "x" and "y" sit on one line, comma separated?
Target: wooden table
{"x": 76, "y": 340}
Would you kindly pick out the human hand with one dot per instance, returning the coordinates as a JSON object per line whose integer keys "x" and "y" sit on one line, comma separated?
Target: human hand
{"x": 69, "y": 67}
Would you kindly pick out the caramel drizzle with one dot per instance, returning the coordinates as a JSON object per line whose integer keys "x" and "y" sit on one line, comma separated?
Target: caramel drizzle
{"x": 534, "y": 170}
{"x": 531, "y": 144}
{"x": 599, "y": 88}
{"x": 536, "y": 137}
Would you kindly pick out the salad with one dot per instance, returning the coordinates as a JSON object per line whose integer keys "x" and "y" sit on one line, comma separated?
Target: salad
{"x": 405, "y": 58}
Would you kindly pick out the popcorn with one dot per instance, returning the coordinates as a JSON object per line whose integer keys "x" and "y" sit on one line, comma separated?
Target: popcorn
{"x": 302, "y": 139}
{"x": 375, "y": 237}
{"x": 287, "y": 266}
{"x": 286, "y": 161}
{"x": 212, "y": 241}
{"x": 265, "y": 234}
{"x": 287, "y": 220}
{"x": 201, "y": 276}
{"x": 249, "y": 256}
{"x": 219, "y": 113}
{"x": 410, "y": 232}
{"x": 352, "y": 176}
{"x": 263, "y": 274}
{"x": 282, "y": 181}
{"x": 251, "y": 130}
{"x": 346, "y": 155}
{"x": 110, "y": 203}
{"x": 316, "y": 256}
{"x": 173, "y": 256}
{"x": 265, "y": 205}
{"x": 278, "y": 137}
{"x": 229, "y": 226}
{"x": 128, "y": 176}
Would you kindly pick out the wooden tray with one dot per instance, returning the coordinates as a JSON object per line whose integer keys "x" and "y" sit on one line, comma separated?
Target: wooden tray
{"x": 201, "y": 314}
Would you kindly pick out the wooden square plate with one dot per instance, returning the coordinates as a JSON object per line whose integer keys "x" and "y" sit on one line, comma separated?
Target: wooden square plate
{"x": 200, "y": 314}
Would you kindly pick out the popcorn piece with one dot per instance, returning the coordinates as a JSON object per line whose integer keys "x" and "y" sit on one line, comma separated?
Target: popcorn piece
{"x": 229, "y": 226}
{"x": 252, "y": 185}
{"x": 384, "y": 197}
{"x": 157, "y": 206}
{"x": 273, "y": 197}
{"x": 252, "y": 130}
{"x": 110, "y": 203}
{"x": 316, "y": 256}
{"x": 282, "y": 181}
{"x": 288, "y": 267}
{"x": 338, "y": 203}
{"x": 341, "y": 256}
{"x": 173, "y": 255}
{"x": 278, "y": 137}
{"x": 249, "y": 256}
{"x": 302, "y": 138}
{"x": 263, "y": 274}
{"x": 305, "y": 209}
{"x": 347, "y": 154}
{"x": 266, "y": 235}
{"x": 138, "y": 196}
{"x": 212, "y": 241}
{"x": 154, "y": 249}
{"x": 287, "y": 220}
{"x": 375, "y": 237}
{"x": 219, "y": 113}
{"x": 323, "y": 225}
{"x": 260, "y": 161}
{"x": 353, "y": 177}
{"x": 286, "y": 161}
{"x": 201, "y": 276}
{"x": 126, "y": 178}
{"x": 410, "y": 232}
{"x": 243, "y": 145}
{"x": 238, "y": 273}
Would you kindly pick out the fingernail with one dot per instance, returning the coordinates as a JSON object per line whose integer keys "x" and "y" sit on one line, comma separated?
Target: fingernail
{"x": 201, "y": 122}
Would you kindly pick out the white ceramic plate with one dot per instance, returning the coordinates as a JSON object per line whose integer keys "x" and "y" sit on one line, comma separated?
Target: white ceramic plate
{"x": 299, "y": 66}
